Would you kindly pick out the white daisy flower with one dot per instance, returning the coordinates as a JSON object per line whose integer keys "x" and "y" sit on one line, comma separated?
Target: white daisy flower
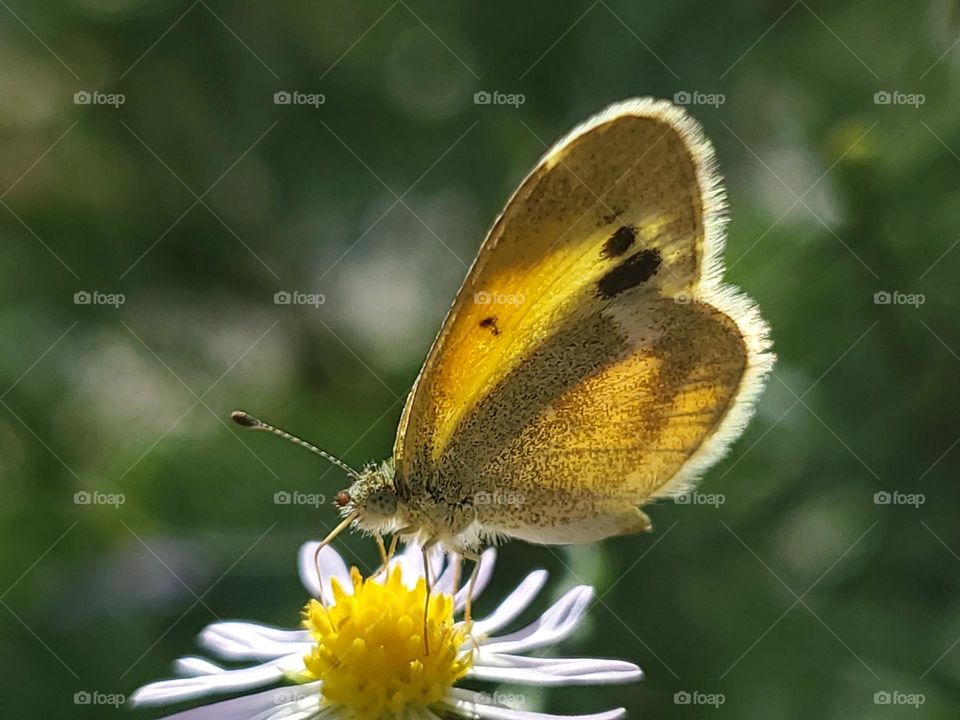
{"x": 361, "y": 654}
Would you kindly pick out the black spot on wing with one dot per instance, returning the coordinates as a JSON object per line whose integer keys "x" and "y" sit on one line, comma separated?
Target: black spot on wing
{"x": 618, "y": 243}
{"x": 490, "y": 322}
{"x": 633, "y": 271}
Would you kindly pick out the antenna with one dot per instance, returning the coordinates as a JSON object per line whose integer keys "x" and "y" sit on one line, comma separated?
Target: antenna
{"x": 249, "y": 421}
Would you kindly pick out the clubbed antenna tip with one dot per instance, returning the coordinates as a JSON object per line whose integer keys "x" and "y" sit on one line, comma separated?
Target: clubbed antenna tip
{"x": 244, "y": 419}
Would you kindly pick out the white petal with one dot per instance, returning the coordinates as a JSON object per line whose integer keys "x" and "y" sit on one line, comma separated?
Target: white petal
{"x": 249, "y": 641}
{"x": 444, "y": 584}
{"x": 166, "y": 692}
{"x": 253, "y": 707}
{"x": 555, "y": 676}
{"x": 487, "y": 560}
{"x": 554, "y": 625}
{"x": 514, "y": 604}
{"x": 474, "y": 704}
{"x": 596, "y": 670}
{"x": 194, "y": 667}
{"x": 331, "y": 565}
{"x": 268, "y": 632}
{"x": 410, "y": 562}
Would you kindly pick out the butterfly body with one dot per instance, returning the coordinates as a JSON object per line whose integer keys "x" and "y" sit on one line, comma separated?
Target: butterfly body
{"x": 592, "y": 362}
{"x": 430, "y": 512}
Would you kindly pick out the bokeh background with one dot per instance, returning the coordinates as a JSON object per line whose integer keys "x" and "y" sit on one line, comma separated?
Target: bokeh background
{"x": 183, "y": 210}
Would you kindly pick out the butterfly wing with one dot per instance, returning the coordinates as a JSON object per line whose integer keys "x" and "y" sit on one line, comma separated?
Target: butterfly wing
{"x": 592, "y": 360}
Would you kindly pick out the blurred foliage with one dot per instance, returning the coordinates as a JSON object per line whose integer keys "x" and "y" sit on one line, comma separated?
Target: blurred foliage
{"x": 199, "y": 198}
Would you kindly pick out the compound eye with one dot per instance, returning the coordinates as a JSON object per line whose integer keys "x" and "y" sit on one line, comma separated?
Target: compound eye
{"x": 382, "y": 502}
{"x": 342, "y": 498}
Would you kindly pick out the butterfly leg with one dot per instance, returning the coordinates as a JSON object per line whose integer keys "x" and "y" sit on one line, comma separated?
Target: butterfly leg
{"x": 457, "y": 572}
{"x": 471, "y": 584}
{"x": 383, "y": 551}
{"x": 393, "y": 547}
{"x": 385, "y": 555}
{"x": 425, "y": 552}
{"x": 323, "y": 543}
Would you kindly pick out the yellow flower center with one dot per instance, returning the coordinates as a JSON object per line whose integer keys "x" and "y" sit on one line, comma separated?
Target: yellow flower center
{"x": 370, "y": 651}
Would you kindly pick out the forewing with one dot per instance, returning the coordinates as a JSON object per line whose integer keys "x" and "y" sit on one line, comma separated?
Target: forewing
{"x": 599, "y": 275}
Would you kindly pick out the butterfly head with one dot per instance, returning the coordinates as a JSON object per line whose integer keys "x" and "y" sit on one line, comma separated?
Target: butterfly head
{"x": 372, "y": 498}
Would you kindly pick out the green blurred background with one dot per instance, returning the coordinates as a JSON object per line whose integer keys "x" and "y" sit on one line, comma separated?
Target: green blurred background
{"x": 199, "y": 198}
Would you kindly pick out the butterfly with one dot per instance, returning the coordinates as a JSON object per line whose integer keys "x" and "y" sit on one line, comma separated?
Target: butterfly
{"x": 593, "y": 360}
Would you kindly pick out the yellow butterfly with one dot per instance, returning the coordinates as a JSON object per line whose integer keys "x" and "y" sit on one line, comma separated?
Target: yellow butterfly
{"x": 592, "y": 362}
